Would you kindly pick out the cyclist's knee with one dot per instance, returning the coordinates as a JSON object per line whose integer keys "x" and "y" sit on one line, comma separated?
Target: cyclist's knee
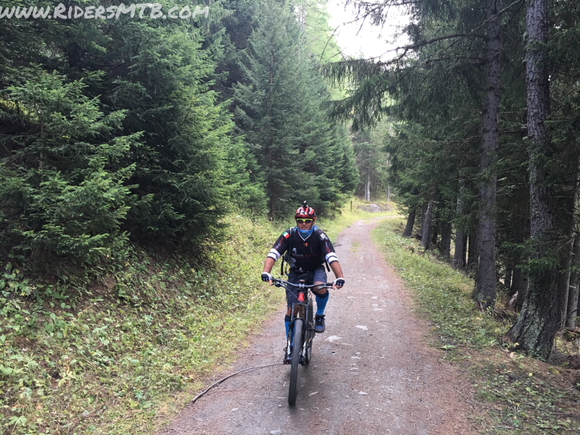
{"x": 323, "y": 295}
{"x": 320, "y": 291}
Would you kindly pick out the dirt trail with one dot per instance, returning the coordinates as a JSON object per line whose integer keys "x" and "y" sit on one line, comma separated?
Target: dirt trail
{"x": 371, "y": 372}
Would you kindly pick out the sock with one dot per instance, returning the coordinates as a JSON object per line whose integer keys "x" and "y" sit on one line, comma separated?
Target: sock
{"x": 321, "y": 303}
{"x": 287, "y": 322}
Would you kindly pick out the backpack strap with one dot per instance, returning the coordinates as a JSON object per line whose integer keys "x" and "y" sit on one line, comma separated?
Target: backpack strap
{"x": 288, "y": 251}
{"x": 318, "y": 233}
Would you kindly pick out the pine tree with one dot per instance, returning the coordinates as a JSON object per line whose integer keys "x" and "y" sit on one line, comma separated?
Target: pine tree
{"x": 159, "y": 73}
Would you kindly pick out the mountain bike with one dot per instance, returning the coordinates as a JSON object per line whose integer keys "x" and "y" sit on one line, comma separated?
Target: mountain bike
{"x": 301, "y": 331}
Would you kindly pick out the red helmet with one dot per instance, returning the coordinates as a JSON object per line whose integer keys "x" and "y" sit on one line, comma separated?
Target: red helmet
{"x": 305, "y": 212}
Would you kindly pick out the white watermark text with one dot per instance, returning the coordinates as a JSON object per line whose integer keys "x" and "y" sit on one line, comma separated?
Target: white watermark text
{"x": 142, "y": 10}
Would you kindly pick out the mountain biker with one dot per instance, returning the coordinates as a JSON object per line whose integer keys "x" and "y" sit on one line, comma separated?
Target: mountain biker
{"x": 307, "y": 250}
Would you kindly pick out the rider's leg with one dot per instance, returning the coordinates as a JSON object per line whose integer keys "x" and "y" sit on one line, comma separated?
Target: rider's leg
{"x": 322, "y": 296}
{"x": 320, "y": 292}
{"x": 291, "y": 297}
{"x": 287, "y": 322}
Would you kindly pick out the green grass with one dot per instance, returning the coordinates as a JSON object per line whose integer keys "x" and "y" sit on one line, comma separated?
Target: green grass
{"x": 126, "y": 350}
{"x": 518, "y": 395}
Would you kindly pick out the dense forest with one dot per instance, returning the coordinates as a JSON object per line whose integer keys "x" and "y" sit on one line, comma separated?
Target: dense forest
{"x": 483, "y": 146}
{"x": 131, "y": 128}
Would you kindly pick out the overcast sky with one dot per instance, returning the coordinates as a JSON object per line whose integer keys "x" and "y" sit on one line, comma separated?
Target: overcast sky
{"x": 369, "y": 40}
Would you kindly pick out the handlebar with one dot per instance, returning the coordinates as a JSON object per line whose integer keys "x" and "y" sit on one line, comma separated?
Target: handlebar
{"x": 282, "y": 283}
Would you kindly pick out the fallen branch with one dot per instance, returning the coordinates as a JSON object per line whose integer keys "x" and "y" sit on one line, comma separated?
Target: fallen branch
{"x": 227, "y": 377}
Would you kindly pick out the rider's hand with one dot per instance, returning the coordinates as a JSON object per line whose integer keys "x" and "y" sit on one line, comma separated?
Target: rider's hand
{"x": 266, "y": 277}
{"x": 338, "y": 283}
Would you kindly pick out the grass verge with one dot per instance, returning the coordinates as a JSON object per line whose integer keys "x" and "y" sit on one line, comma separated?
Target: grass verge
{"x": 519, "y": 395}
{"x": 117, "y": 357}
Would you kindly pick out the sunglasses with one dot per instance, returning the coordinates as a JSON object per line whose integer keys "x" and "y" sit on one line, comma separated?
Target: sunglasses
{"x": 303, "y": 221}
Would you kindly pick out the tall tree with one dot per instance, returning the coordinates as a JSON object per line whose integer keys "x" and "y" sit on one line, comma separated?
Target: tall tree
{"x": 158, "y": 74}
{"x": 539, "y": 318}
{"x": 485, "y": 286}
{"x": 62, "y": 193}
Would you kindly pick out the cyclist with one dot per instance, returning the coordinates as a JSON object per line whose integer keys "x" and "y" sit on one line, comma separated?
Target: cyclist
{"x": 307, "y": 250}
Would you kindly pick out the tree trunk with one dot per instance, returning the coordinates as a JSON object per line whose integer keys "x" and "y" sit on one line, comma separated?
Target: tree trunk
{"x": 484, "y": 292}
{"x": 572, "y": 306}
{"x": 569, "y": 286}
{"x": 572, "y": 311}
{"x": 423, "y": 214}
{"x": 519, "y": 286}
{"x": 435, "y": 222}
{"x": 472, "y": 255}
{"x": 507, "y": 279}
{"x": 519, "y": 283}
{"x": 564, "y": 278}
{"x": 446, "y": 240}
{"x": 410, "y": 223}
{"x": 464, "y": 253}
{"x": 368, "y": 187}
{"x": 459, "y": 254}
{"x": 537, "y": 323}
{"x": 426, "y": 229}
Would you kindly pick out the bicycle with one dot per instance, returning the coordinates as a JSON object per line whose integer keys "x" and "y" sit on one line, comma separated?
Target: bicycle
{"x": 301, "y": 331}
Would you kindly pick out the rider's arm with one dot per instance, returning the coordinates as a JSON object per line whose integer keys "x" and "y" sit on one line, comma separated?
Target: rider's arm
{"x": 268, "y": 264}
{"x": 277, "y": 250}
{"x": 335, "y": 266}
{"x": 332, "y": 259}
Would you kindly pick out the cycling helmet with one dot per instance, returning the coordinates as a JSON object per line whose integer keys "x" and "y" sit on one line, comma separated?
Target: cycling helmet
{"x": 305, "y": 212}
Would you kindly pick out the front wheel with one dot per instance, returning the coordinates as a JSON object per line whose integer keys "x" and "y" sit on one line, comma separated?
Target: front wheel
{"x": 296, "y": 348}
{"x": 309, "y": 334}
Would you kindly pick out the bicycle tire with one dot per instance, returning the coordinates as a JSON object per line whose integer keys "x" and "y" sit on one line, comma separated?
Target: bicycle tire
{"x": 309, "y": 333}
{"x": 296, "y": 349}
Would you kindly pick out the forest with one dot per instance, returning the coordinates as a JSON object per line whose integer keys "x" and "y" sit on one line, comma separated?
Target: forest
{"x": 482, "y": 106}
{"x": 122, "y": 131}
{"x": 149, "y": 130}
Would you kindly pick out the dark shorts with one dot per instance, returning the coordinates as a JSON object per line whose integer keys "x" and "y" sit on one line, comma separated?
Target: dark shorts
{"x": 318, "y": 275}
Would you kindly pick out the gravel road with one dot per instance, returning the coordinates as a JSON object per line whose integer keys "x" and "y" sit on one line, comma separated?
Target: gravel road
{"x": 371, "y": 371}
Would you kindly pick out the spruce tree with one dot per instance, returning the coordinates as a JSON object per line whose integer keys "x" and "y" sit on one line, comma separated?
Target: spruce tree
{"x": 63, "y": 194}
{"x": 279, "y": 111}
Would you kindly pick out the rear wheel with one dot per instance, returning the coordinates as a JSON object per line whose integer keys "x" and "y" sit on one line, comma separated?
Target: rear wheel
{"x": 296, "y": 348}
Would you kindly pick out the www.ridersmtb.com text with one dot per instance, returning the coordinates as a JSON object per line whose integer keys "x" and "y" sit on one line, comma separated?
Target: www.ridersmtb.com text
{"x": 145, "y": 10}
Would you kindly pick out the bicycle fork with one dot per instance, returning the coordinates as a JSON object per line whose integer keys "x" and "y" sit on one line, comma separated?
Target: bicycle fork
{"x": 299, "y": 311}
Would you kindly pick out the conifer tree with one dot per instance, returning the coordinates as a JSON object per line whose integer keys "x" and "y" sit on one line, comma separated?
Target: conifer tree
{"x": 63, "y": 194}
{"x": 159, "y": 73}
{"x": 279, "y": 111}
